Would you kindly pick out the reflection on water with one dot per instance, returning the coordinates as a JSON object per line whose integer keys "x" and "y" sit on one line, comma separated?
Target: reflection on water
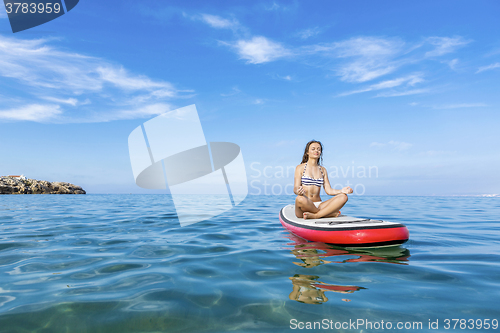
{"x": 312, "y": 253}
{"x": 308, "y": 289}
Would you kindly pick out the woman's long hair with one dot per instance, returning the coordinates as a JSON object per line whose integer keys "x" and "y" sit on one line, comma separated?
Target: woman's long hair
{"x": 306, "y": 155}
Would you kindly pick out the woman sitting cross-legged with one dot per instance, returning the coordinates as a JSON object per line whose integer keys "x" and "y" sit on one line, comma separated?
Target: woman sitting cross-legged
{"x": 309, "y": 177}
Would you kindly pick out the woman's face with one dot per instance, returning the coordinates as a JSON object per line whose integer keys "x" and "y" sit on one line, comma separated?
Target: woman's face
{"x": 314, "y": 150}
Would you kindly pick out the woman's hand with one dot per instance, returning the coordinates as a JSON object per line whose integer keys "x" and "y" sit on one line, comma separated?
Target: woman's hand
{"x": 346, "y": 190}
{"x": 301, "y": 191}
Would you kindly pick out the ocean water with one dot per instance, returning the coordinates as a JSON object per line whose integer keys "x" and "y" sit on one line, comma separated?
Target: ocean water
{"x": 122, "y": 263}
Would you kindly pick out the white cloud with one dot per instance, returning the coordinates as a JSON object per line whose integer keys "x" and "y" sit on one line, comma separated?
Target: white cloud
{"x": 410, "y": 80}
{"x": 140, "y": 112}
{"x": 363, "y": 59}
{"x": 33, "y": 112}
{"x": 362, "y": 71}
{"x": 36, "y": 64}
{"x": 282, "y": 77}
{"x": 452, "y": 63}
{"x": 355, "y": 60}
{"x": 259, "y": 101}
{"x": 125, "y": 113}
{"x": 377, "y": 144}
{"x": 120, "y": 78}
{"x": 234, "y": 91}
{"x": 395, "y": 145}
{"x": 400, "y": 145}
{"x": 284, "y": 143}
{"x": 366, "y": 58}
{"x": 285, "y": 77}
{"x": 69, "y": 101}
{"x": 71, "y": 79}
{"x": 307, "y": 33}
{"x": 444, "y": 45}
{"x": 259, "y": 50}
{"x": 219, "y": 22}
{"x": 488, "y": 68}
{"x": 459, "y": 106}
{"x": 437, "y": 153}
{"x": 368, "y": 47}
{"x": 403, "y": 93}
{"x": 275, "y": 6}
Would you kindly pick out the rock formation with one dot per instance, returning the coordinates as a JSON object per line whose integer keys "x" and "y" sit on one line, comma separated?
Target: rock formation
{"x": 9, "y": 185}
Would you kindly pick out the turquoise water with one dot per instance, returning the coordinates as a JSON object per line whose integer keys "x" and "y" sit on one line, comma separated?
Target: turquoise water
{"x": 122, "y": 263}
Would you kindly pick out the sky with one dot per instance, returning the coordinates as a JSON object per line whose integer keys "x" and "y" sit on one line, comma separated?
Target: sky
{"x": 402, "y": 94}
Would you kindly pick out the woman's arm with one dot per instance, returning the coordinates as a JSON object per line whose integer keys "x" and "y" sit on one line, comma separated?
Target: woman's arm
{"x": 328, "y": 189}
{"x": 297, "y": 181}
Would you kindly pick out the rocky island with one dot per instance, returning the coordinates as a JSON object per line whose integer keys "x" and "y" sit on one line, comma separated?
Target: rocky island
{"x": 23, "y": 185}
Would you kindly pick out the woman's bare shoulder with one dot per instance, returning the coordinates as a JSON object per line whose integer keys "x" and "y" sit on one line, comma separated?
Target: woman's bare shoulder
{"x": 300, "y": 167}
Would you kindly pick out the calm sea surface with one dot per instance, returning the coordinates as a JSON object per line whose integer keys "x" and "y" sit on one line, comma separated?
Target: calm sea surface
{"x": 122, "y": 263}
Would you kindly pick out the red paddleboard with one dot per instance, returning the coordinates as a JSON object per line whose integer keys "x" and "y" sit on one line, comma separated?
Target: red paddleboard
{"x": 344, "y": 230}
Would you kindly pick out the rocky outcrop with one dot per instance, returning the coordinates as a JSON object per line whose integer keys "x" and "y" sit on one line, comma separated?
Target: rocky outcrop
{"x": 9, "y": 185}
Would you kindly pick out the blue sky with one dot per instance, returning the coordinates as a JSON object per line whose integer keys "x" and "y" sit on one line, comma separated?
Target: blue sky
{"x": 408, "y": 89}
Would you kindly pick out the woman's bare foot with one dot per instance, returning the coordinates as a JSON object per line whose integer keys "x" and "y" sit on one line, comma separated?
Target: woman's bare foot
{"x": 308, "y": 215}
{"x": 334, "y": 214}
